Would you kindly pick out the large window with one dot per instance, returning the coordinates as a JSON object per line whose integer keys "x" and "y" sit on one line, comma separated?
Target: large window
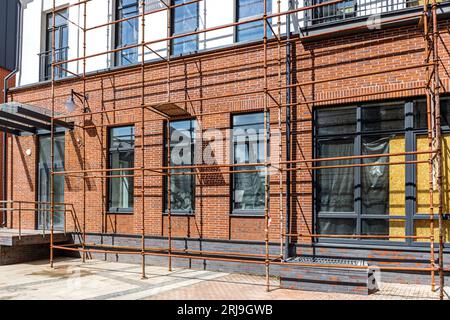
{"x": 61, "y": 45}
{"x": 248, "y": 9}
{"x": 121, "y": 157}
{"x": 184, "y": 20}
{"x": 182, "y": 187}
{"x": 357, "y": 200}
{"x": 127, "y": 32}
{"x": 376, "y": 199}
{"x": 248, "y": 147}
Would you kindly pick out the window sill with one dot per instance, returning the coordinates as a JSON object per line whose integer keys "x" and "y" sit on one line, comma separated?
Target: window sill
{"x": 120, "y": 212}
{"x": 182, "y": 214}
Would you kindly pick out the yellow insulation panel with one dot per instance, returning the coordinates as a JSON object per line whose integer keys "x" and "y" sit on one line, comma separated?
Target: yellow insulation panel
{"x": 422, "y": 227}
{"x": 397, "y": 175}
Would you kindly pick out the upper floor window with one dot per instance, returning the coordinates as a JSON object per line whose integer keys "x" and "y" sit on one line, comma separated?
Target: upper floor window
{"x": 127, "y": 32}
{"x": 121, "y": 157}
{"x": 61, "y": 45}
{"x": 248, "y": 147}
{"x": 185, "y": 19}
{"x": 247, "y": 9}
{"x": 182, "y": 187}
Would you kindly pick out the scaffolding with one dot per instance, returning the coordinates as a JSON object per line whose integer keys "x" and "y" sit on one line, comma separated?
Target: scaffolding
{"x": 273, "y": 99}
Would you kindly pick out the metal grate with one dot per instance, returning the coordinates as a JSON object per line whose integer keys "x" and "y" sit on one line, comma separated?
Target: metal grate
{"x": 321, "y": 260}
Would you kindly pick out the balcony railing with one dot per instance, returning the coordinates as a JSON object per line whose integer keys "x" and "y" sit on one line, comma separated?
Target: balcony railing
{"x": 354, "y": 8}
{"x": 45, "y": 64}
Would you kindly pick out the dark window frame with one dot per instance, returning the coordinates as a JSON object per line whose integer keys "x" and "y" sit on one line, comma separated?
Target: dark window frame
{"x": 172, "y": 28}
{"x": 411, "y": 215}
{"x": 111, "y": 151}
{"x": 238, "y": 19}
{"x": 240, "y": 212}
{"x": 118, "y": 56}
{"x": 165, "y": 161}
{"x": 61, "y": 52}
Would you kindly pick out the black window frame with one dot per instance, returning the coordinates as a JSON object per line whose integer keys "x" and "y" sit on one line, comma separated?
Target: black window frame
{"x": 172, "y": 28}
{"x": 238, "y": 19}
{"x": 111, "y": 151}
{"x": 118, "y": 56}
{"x": 193, "y": 128}
{"x": 240, "y": 212}
{"x": 61, "y": 52}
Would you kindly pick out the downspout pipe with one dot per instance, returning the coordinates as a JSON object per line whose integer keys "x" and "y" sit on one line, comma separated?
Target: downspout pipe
{"x": 288, "y": 133}
{"x": 5, "y": 100}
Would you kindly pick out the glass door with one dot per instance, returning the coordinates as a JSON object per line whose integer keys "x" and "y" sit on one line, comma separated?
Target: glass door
{"x": 44, "y": 182}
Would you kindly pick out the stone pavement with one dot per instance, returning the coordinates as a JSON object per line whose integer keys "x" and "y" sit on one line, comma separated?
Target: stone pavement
{"x": 70, "y": 279}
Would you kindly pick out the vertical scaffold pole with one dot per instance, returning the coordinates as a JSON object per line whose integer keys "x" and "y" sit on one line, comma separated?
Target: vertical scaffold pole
{"x": 84, "y": 129}
{"x": 143, "y": 136}
{"x": 280, "y": 141}
{"x": 169, "y": 194}
{"x": 266, "y": 168}
{"x": 439, "y": 155}
{"x": 52, "y": 137}
{"x": 429, "y": 101}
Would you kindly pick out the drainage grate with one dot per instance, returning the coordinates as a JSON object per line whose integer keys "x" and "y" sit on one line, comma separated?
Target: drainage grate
{"x": 321, "y": 260}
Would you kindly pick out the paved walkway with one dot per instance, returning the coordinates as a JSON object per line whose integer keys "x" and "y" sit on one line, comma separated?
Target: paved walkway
{"x": 71, "y": 279}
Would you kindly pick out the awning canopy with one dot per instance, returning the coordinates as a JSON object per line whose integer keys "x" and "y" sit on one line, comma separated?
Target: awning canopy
{"x": 169, "y": 110}
{"x": 21, "y": 119}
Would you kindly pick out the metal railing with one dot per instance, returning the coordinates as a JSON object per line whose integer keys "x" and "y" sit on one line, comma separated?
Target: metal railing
{"x": 40, "y": 208}
{"x": 45, "y": 64}
{"x": 354, "y": 8}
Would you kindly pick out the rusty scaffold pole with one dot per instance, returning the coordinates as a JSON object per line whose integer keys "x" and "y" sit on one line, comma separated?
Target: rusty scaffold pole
{"x": 52, "y": 137}
{"x": 266, "y": 149}
{"x": 438, "y": 140}
{"x": 143, "y": 138}
{"x": 428, "y": 41}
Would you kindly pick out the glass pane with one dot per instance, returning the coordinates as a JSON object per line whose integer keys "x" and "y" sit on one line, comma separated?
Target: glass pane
{"x": 375, "y": 227}
{"x": 390, "y": 117}
{"x": 338, "y": 121}
{"x": 127, "y": 32}
{"x": 337, "y": 226}
{"x": 375, "y": 179}
{"x": 248, "y": 147}
{"x": 44, "y": 216}
{"x": 121, "y": 138}
{"x": 247, "y": 9}
{"x": 248, "y": 189}
{"x": 121, "y": 189}
{"x": 336, "y": 185}
{"x": 185, "y": 20}
{"x": 420, "y": 115}
{"x": 182, "y": 144}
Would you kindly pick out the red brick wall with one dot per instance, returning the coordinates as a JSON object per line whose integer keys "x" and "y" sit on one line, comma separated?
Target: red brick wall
{"x": 214, "y": 74}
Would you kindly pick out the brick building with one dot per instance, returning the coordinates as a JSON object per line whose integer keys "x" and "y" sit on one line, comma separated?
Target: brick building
{"x": 357, "y": 87}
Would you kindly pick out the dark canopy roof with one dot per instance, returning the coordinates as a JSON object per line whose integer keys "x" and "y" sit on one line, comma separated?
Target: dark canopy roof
{"x": 22, "y": 119}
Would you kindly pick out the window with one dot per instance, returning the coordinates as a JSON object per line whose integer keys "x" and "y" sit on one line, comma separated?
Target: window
{"x": 61, "y": 45}
{"x": 377, "y": 200}
{"x": 182, "y": 187}
{"x": 360, "y": 200}
{"x": 247, "y": 9}
{"x": 127, "y": 32}
{"x": 248, "y": 147}
{"x": 184, "y": 20}
{"x": 333, "y": 12}
{"x": 121, "y": 156}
